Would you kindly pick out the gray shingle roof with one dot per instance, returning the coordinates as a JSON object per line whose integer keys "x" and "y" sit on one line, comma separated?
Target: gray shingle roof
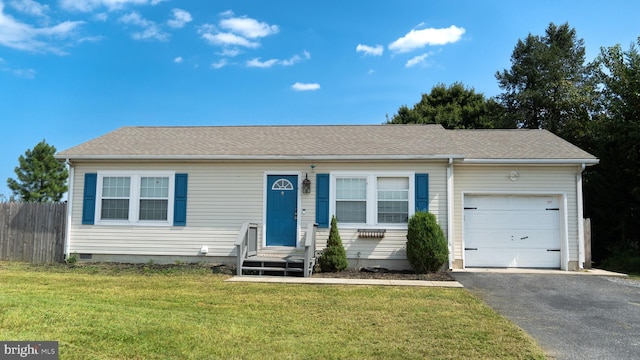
{"x": 331, "y": 141}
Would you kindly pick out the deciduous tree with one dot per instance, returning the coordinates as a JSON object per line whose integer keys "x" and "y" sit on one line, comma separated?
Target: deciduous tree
{"x": 454, "y": 107}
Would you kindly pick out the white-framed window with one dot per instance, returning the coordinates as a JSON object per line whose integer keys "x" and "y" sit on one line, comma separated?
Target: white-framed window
{"x": 368, "y": 199}
{"x": 135, "y": 198}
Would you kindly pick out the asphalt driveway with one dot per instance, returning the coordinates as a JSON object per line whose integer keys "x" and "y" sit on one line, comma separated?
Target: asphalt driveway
{"x": 571, "y": 316}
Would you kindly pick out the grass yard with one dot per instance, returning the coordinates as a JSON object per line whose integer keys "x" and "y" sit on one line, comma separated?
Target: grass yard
{"x": 105, "y": 312}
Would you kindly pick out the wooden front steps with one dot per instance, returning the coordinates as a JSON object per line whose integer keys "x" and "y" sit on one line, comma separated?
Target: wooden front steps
{"x": 270, "y": 265}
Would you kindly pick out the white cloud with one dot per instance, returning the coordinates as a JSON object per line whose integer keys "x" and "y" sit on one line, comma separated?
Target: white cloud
{"x": 101, "y": 17}
{"x": 261, "y": 64}
{"x": 417, "y": 60}
{"x": 417, "y": 39}
{"x": 220, "y": 64}
{"x": 150, "y": 29}
{"x": 91, "y": 39}
{"x": 370, "y": 50}
{"x": 30, "y": 7}
{"x": 180, "y": 18}
{"x": 111, "y": 5}
{"x": 248, "y": 27}
{"x": 228, "y": 13}
{"x": 230, "y": 52}
{"x": 24, "y": 73}
{"x": 229, "y": 39}
{"x": 287, "y": 62}
{"x": 371, "y": 72}
{"x": 305, "y": 86}
{"x": 296, "y": 59}
{"x": 237, "y": 31}
{"x": 21, "y": 36}
{"x": 178, "y": 60}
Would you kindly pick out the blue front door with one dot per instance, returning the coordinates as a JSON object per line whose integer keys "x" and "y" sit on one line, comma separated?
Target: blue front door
{"x": 282, "y": 208}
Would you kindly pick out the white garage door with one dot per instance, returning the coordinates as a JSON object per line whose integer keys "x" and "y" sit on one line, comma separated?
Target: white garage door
{"x": 512, "y": 231}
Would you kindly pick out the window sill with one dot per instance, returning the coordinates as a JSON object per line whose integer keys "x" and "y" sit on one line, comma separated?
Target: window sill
{"x": 357, "y": 227}
{"x": 133, "y": 224}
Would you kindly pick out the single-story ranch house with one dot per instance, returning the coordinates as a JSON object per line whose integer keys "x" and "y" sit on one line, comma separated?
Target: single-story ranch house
{"x": 504, "y": 198}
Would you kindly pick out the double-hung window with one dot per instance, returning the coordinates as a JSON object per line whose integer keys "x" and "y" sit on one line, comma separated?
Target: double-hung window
{"x": 351, "y": 199}
{"x": 368, "y": 199}
{"x": 393, "y": 200}
{"x": 135, "y": 198}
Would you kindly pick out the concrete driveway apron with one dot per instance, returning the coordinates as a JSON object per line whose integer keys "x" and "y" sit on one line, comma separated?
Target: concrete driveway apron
{"x": 571, "y": 316}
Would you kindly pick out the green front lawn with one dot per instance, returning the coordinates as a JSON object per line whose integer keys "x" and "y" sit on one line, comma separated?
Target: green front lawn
{"x": 102, "y": 312}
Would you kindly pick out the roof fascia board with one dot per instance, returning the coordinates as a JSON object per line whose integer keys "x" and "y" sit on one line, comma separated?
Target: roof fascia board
{"x": 531, "y": 161}
{"x": 258, "y": 157}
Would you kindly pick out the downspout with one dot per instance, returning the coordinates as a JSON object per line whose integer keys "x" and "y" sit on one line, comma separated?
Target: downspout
{"x": 450, "y": 211}
{"x": 579, "y": 201}
{"x": 67, "y": 235}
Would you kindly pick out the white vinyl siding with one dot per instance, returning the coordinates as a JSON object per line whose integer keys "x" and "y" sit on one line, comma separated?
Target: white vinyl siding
{"x": 559, "y": 181}
{"x": 223, "y": 195}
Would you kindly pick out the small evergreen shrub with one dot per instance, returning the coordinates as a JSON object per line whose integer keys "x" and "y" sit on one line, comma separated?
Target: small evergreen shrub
{"x": 334, "y": 257}
{"x": 427, "y": 248}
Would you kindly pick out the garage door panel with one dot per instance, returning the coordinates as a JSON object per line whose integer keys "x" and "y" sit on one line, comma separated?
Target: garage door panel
{"x": 525, "y": 258}
{"x": 512, "y": 231}
{"x": 479, "y": 219}
{"x": 510, "y": 202}
{"x": 547, "y": 239}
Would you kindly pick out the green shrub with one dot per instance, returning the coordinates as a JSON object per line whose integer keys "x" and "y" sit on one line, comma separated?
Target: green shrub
{"x": 623, "y": 260}
{"x": 72, "y": 259}
{"x": 427, "y": 248}
{"x": 334, "y": 257}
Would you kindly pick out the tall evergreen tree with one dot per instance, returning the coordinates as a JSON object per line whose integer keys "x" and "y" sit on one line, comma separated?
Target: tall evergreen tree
{"x": 40, "y": 177}
{"x": 548, "y": 85}
{"x": 612, "y": 188}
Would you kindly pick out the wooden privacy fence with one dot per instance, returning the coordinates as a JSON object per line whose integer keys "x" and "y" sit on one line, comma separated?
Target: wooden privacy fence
{"x": 32, "y": 232}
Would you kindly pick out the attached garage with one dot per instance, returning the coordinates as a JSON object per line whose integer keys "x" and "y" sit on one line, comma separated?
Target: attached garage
{"x": 513, "y": 231}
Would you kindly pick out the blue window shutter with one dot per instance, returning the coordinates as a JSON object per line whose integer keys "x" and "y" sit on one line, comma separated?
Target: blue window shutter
{"x": 180, "y": 200}
{"x": 89, "y": 202}
{"x": 422, "y": 192}
{"x": 322, "y": 200}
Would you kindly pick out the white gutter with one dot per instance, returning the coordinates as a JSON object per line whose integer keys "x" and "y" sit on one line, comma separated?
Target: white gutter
{"x": 67, "y": 235}
{"x": 450, "y": 211}
{"x": 266, "y": 157}
{"x": 531, "y": 161}
{"x": 581, "y": 247}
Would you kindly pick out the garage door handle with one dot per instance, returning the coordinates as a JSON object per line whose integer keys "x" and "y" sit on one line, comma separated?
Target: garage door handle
{"x": 553, "y": 249}
{"x": 471, "y": 248}
{"x": 524, "y": 238}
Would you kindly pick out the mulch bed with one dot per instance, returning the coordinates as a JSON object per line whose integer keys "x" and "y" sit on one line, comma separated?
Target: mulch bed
{"x": 381, "y": 273}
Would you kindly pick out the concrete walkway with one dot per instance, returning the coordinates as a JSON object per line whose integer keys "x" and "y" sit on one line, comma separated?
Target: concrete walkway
{"x": 596, "y": 272}
{"x": 422, "y": 283}
{"x": 341, "y": 281}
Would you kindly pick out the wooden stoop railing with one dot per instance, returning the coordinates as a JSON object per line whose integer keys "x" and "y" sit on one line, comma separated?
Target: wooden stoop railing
{"x": 246, "y": 244}
{"x": 249, "y": 260}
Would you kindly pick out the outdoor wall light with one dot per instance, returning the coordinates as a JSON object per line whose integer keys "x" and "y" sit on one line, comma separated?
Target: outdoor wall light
{"x": 306, "y": 184}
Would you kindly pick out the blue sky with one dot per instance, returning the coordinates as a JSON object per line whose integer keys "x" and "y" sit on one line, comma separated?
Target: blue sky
{"x": 71, "y": 70}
